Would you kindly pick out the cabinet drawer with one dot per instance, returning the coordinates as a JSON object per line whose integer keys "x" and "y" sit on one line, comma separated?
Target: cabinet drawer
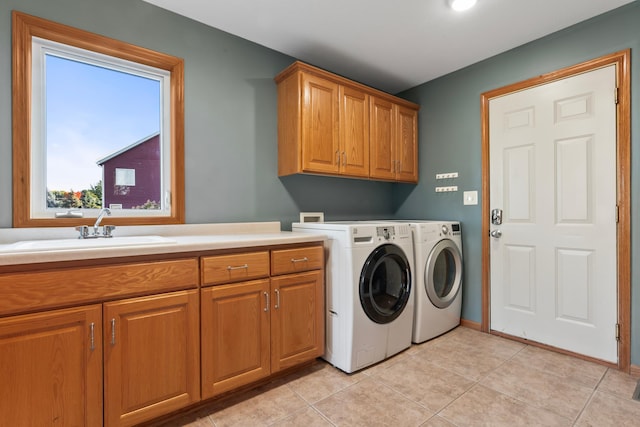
{"x": 27, "y": 291}
{"x": 287, "y": 261}
{"x": 234, "y": 268}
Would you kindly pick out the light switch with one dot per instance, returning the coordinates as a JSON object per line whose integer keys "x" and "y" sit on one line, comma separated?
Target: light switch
{"x": 470, "y": 197}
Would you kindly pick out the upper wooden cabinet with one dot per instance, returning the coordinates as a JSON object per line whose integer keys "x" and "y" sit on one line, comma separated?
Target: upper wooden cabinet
{"x": 394, "y": 141}
{"x": 331, "y": 125}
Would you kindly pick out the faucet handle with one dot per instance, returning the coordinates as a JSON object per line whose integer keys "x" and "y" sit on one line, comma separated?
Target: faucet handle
{"x": 107, "y": 229}
{"x": 84, "y": 231}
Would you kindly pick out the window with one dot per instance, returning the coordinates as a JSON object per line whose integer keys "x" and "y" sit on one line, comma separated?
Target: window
{"x": 96, "y": 116}
{"x": 126, "y": 177}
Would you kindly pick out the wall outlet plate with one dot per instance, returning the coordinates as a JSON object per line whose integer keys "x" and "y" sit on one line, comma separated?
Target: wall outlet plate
{"x": 470, "y": 197}
{"x": 311, "y": 216}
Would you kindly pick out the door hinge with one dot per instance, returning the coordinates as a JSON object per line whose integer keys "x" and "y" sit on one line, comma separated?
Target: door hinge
{"x": 617, "y": 214}
{"x": 616, "y": 94}
{"x": 617, "y": 331}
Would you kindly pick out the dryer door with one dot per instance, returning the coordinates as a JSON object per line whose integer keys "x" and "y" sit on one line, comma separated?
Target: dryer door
{"x": 443, "y": 273}
{"x": 385, "y": 283}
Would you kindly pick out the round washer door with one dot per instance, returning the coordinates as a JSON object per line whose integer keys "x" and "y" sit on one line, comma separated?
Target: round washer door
{"x": 385, "y": 283}
{"x": 443, "y": 273}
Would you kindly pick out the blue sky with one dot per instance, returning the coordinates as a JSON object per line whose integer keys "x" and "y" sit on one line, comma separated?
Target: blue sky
{"x": 91, "y": 113}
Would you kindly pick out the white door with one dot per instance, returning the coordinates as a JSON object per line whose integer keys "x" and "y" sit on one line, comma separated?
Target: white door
{"x": 553, "y": 175}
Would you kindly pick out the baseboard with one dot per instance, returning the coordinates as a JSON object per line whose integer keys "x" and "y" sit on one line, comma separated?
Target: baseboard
{"x": 634, "y": 370}
{"x": 470, "y": 324}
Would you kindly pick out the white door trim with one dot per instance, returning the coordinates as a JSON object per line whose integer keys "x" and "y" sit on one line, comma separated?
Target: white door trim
{"x": 622, "y": 61}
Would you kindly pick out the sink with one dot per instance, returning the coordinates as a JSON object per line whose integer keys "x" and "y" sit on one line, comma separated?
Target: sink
{"x": 75, "y": 244}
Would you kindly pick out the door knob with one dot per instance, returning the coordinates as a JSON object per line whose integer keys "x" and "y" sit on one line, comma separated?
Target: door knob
{"x": 496, "y": 234}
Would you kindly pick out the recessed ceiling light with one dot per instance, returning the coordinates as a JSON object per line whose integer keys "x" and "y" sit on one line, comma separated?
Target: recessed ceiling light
{"x": 460, "y": 5}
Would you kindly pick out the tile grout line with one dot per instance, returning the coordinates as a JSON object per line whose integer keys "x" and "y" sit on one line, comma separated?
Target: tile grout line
{"x": 593, "y": 392}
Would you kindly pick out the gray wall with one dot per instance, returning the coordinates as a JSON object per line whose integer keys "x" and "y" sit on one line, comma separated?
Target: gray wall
{"x": 230, "y": 116}
{"x": 449, "y": 125}
{"x": 231, "y": 147}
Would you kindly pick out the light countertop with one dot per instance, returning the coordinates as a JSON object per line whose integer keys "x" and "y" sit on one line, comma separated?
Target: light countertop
{"x": 17, "y": 245}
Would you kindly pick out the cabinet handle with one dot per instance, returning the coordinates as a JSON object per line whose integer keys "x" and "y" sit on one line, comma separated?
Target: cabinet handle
{"x": 277, "y": 306}
{"x": 344, "y": 159}
{"x": 113, "y": 331}
{"x": 338, "y": 157}
{"x": 92, "y": 339}
{"x": 240, "y": 267}
{"x": 294, "y": 260}
{"x": 266, "y": 301}
{"x": 398, "y": 168}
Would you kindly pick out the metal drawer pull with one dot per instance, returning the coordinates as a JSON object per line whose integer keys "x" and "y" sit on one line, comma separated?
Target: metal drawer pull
{"x": 266, "y": 299}
{"x": 240, "y": 267}
{"x": 294, "y": 260}
{"x": 277, "y": 306}
{"x": 113, "y": 331}
{"x": 92, "y": 340}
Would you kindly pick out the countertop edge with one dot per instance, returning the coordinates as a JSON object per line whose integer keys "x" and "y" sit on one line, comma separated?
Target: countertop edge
{"x": 183, "y": 244}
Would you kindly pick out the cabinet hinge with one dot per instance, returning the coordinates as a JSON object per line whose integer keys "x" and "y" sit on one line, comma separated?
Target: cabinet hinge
{"x": 616, "y": 94}
{"x": 617, "y": 331}
{"x": 617, "y": 214}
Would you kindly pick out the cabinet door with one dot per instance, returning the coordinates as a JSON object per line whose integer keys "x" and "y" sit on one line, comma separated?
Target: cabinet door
{"x": 297, "y": 319}
{"x": 407, "y": 144}
{"x": 354, "y": 132}
{"x": 320, "y": 141}
{"x": 151, "y": 356}
{"x": 51, "y": 368}
{"x": 235, "y": 335}
{"x": 382, "y": 134}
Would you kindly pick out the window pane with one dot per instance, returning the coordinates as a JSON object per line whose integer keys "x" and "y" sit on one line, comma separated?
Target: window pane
{"x": 96, "y": 118}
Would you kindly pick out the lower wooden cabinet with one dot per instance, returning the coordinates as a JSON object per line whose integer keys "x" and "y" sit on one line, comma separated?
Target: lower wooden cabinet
{"x": 122, "y": 362}
{"x": 151, "y": 356}
{"x": 51, "y": 368}
{"x": 253, "y": 329}
{"x": 235, "y": 335}
{"x": 297, "y": 322}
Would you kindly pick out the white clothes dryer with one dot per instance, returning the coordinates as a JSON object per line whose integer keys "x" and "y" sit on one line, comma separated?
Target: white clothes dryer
{"x": 438, "y": 258}
{"x": 369, "y": 295}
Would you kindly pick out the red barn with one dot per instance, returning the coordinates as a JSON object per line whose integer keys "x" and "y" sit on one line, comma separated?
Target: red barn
{"x": 131, "y": 176}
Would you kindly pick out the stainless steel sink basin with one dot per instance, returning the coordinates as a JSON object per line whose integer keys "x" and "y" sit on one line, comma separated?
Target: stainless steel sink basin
{"x": 75, "y": 244}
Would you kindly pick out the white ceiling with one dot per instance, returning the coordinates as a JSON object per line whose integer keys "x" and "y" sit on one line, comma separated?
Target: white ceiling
{"x": 389, "y": 44}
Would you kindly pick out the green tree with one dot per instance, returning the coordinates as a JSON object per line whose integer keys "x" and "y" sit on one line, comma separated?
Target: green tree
{"x": 70, "y": 200}
{"x": 97, "y": 190}
{"x": 89, "y": 200}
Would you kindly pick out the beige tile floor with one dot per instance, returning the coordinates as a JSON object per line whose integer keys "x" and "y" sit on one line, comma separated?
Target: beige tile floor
{"x": 463, "y": 378}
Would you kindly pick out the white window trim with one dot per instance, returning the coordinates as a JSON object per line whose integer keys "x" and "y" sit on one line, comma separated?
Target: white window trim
{"x": 42, "y": 47}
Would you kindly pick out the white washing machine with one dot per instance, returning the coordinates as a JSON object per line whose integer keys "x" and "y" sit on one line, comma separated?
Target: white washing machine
{"x": 369, "y": 291}
{"x": 438, "y": 259}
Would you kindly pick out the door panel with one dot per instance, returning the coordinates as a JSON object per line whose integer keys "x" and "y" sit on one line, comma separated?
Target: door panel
{"x": 319, "y": 133}
{"x": 51, "y": 368}
{"x": 235, "y": 336}
{"x": 553, "y": 172}
{"x": 354, "y": 132}
{"x": 382, "y": 139}
{"x": 151, "y": 356}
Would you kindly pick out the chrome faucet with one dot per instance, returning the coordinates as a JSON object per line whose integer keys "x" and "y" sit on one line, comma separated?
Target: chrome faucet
{"x": 103, "y": 212}
{"x": 106, "y": 229}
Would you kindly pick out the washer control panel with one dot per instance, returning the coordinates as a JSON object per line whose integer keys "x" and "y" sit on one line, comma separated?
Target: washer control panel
{"x": 451, "y": 229}
{"x": 386, "y": 232}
